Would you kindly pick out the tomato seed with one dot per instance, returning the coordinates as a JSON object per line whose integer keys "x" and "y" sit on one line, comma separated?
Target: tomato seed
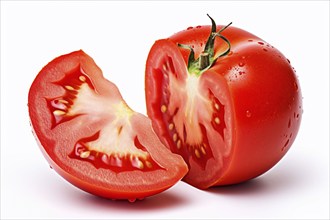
{"x": 85, "y": 154}
{"x": 171, "y": 126}
{"x": 82, "y": 78}
{"x": 203, "y": 150}
{"x": 198, "y": 155}
{"x": 58, "y": 112}
{"x": 63, "y": 101}
{"x": 69, "y": 88}
{"x": 148, "y": 164}
{"x": 178, "y": 144}
{"x": 165, "y": 68}
{"x": 140, "y": 164}
{"x": 175, "y": 137}
{"x": 216, "y": 106}
{"x": 163, "y": 108}
{"x": 217, "y": 120}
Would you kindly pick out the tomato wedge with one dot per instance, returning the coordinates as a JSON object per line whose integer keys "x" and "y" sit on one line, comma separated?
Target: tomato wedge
{"x": 92, "y": 138}
{"x": 224, "y": 99}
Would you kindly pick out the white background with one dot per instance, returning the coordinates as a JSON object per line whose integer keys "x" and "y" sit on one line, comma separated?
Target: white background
{"x": 118, "y": 35}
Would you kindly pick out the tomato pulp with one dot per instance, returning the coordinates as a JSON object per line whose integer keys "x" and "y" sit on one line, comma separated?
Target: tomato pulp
{"x": 92, "y": 138}
{"x": 226, "y": 100}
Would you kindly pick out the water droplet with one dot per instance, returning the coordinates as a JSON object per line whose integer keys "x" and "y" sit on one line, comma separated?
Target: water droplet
{"x": 243, "y": 57}
{"x": 288, "y": 60}
{"x": 264, "y": 49}
{"x": 241, "y": 72}
{"x": 248, "y": 114}
{"x": 198, "y": 26}
{"x": 250, "y": 40}
{"x": 189, "y": 28}
{"x": 131, "y": 200}
{"x": 201, "y": 44}
{"x": 261, "y": 43}
{"x": 241, "y": 64}
{"x": 296, "y": 86}
{"x": 289, "y": 123}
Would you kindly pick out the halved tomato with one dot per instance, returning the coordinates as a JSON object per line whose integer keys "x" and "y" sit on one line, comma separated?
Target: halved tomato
{"x": 92, "y": 138}
{"x": 224, "y": 99}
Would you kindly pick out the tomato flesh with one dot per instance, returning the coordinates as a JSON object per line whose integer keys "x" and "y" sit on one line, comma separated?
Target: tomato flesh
{"x": 92, "y": 138}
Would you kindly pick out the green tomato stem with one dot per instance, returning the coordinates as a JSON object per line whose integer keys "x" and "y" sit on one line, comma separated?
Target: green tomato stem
{"x": 207, "y": 58}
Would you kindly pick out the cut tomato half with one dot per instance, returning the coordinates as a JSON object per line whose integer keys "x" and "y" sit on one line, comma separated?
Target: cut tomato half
{"x": 225, "y": 100}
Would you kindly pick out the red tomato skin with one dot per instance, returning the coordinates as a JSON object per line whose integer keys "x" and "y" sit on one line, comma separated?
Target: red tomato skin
{"x": 57, "y": 145}
{"x": 266, "y": 101}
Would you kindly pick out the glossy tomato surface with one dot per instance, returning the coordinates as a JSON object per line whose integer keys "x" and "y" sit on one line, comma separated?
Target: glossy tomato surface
{"x": 231, "y": 120}
{"x": 92, "y": 138}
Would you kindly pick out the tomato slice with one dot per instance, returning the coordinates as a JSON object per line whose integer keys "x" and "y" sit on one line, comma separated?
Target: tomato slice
{"x": 92, "y": 138}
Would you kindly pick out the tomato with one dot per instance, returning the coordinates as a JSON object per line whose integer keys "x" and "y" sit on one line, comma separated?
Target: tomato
{"x": 92, "y": 138}
{"x": 224, "y": 99}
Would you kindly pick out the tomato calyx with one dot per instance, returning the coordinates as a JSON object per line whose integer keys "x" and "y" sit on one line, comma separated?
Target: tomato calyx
{"x": 208, "y": 57}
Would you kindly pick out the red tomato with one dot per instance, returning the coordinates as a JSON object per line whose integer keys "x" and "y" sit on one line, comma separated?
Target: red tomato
{"x": 92, "y": 138}
{"x": 228, "y": 102}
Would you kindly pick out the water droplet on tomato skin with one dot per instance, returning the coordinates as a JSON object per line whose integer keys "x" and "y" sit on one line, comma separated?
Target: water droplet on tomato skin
{"x": 250, "y": 40}
{"x": 131, "y": 200}
{"x": 241, "y": 72}
{"x": 285, "y": 145}
{"x": 288, "y": 60}
{"x": 264, "y": 49}
{"x": 289, "y": 123}
{"x": 189, "y": 28}
{"x": 241, "y": 64}
{"x": 248, "y": 114}
{"x": 261, "y": 43}
{"x": 198, "y": 26}
{"x": 295, "y": 85}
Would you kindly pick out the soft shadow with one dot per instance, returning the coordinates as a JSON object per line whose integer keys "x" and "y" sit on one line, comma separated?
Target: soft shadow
{"x": 254, "y": 186}
{"x": 277, "y": 180}
{"x": 164, "y": 200}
